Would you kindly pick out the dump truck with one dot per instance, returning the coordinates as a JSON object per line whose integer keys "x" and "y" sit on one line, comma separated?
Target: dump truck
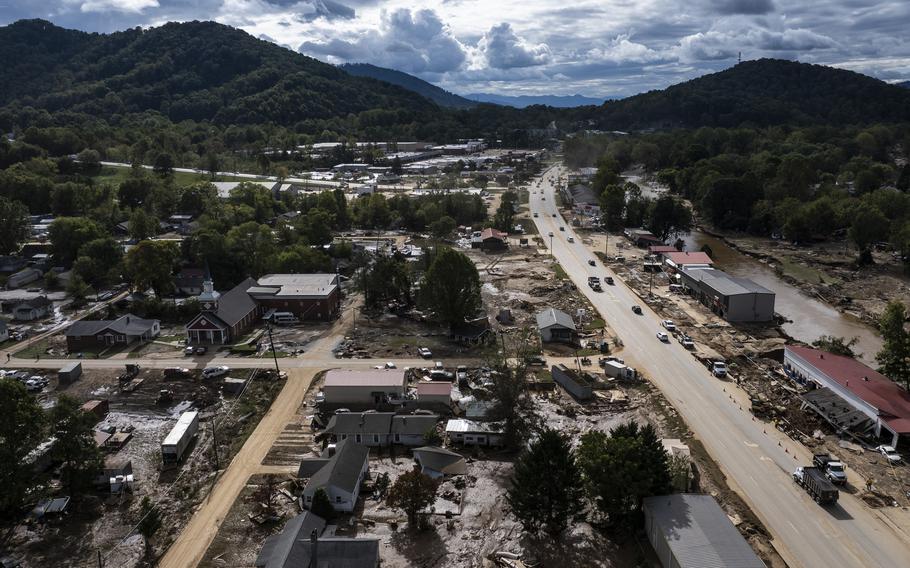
{"x": 834, "y": 469}
{"x": 813, "y": 480}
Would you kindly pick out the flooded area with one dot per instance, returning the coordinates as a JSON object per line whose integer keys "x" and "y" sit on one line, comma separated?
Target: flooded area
{"x": 809, "y": 317}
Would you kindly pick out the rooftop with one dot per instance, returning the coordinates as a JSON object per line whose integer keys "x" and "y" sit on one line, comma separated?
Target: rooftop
{"x": 343, "y": 469}
{"x": 685, "y": 257}
{"x": 127, "y": 325}
{"x": 295, "y": 285}
{"x": 378, "y": 378}
{"x": 866, "y": 383}
{"x": 433, "y": 388}
{"x": 552, "y": 316}
{"x": 725, "y": 284}
{"x": 461, "y": 425}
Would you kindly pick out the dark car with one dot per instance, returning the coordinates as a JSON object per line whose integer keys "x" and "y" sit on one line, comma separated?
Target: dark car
{"x": 636, "y": 309}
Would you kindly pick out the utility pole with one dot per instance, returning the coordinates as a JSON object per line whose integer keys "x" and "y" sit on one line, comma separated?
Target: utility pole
{"x": 100, "y": 560}
{"x": 272, "y": 344}
{"x": 651, "y": 281}
{"x": 215, "y": 445}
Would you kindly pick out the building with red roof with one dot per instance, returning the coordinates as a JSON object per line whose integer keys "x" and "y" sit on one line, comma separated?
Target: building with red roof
{"x": 867, "y": 402}
{"x": 683, "y": 259}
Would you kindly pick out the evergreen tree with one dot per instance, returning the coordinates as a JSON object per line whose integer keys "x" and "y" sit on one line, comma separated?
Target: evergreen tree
{"x": 322, "y": 506}
{"x": 546, "y": 492}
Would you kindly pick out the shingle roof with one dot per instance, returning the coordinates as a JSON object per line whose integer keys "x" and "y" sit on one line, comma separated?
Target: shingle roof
{"x": 235, "y": 304}
{"x": 343, "y": 469}
{"x": 552, "y": 316}
{"x": 683, "y": 258}
{"x": 279, "y": 551}
{"x": 360, "y": 423}
{"x": 127, "y": 325}
{"x": 699, "y": 533}
{"x": 414, "y": 424}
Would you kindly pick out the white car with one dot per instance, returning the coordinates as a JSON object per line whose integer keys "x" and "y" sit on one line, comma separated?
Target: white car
{"x": 663, "y": 337}
{"x": 668, "y": 325}
{"x": 571, "y": 239}
{"x": 719, "y": 369}
{"x": 215, "y": 372}
{"x": 424, "y": 352}
{"x": 890, "y": 453}
{"x": 687, "y": 342}
{"x": 390, "y": 365}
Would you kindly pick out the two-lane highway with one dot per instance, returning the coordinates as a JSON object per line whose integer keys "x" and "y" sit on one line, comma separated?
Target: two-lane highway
{"x": 756, "y": 458}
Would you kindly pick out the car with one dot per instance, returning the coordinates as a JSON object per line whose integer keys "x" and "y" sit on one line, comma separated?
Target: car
{"x": 105, "y": 296}
{"x": 719, "y": 369}
{"x": 544, "y": 199}
{"x": 554, "y": 214}
{"x": 461, "y": 372}
{"x": 591, "y": 262}
{"x": 609, "y": 280}
{"x": 571, "y": 239}
{"x": 201, "y": 350}
{"x": 424, "y": 352}
{"x": 890, "y": 454}
{"x": 215, "y": 372}
{"x": 661, "y": 335}
{"x": 390, "y": 365}
{"x": 550, "y": 234}
{"x": 687, "y": 342}
{"x": 668, "y": 325}
{"x": 535, "y": 215}
{"x": 636, "y": 309}
{"x": 189, "y": 350}
{"x": 563, "y": 229}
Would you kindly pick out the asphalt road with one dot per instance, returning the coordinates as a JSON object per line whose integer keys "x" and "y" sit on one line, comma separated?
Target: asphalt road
{"x": 756, "y": 458}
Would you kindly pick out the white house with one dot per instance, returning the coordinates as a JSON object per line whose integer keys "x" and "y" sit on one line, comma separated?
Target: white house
{"x": 341, "y": 476}
{"x": 411, "y": 430}
{"x": 472, "y": 433}
{"x": 364, "y": 387}
{"x": 367, "y": 428}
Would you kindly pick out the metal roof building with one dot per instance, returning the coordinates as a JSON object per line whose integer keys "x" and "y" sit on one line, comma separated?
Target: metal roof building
{"x": 692, "y": 531}
{"x": 734, "y": 299}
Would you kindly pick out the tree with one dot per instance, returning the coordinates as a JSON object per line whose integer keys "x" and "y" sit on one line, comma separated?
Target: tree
{"x": 451, "y": 287}
{"x": 432, "y": 437}
{"x": 69, "y": 234}
{"x": 322, "y": 506}
{"x": 868, "y": 226}
{"x": 397, "y": 169}
{"x": 669, "y": 217}
{"x": 150, "y": 264}
{"x": 613, "y": 205}
{"x": 504, "y": 219}
{"x": 623, "y": 468}
{"x": 75, "y": 447}
{"x": 894, "y": 357}
{"x": 21, "y": 429}
{"x": 13, "y": 225}
{"x": 301, "y": 259}
{"x": 546, "y": 491}
{"x": 386, "y": 279}
{"x": 77, "y": 290}
{"x": 442, "y": 227}
{"x": 164, "y": 164}
{"x": 142, "y": 225}
{"x": 252, "y": 247}
{"x": 149, "y": 521}
{"x": 99, "y": 261}
{"x": 836, "y": 345}
{"x": 412, "y": 492}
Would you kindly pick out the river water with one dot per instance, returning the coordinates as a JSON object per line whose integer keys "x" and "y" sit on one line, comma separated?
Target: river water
{"x": 809, "y": 318}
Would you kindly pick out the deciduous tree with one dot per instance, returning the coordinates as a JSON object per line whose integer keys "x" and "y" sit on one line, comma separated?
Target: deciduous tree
{"x": 75, "y": 447}
{"x": 412, "y": 492}
{"x": 150, "y": 264}
{"x": 451, "y": 287}
{"x": 13, "y": 225}
{"x": 894, "y": 357}
{"x": 21, "y": 429}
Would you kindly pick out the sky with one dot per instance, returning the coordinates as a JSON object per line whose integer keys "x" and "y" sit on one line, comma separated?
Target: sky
{"x": 600, "y": 48}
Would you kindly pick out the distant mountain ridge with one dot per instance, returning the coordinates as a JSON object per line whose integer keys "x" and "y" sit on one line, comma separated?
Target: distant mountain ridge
{"x": 426, "y": 89}
{"x": 522, "y": 101}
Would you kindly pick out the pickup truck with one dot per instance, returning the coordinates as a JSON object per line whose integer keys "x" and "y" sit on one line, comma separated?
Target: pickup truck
{"x": 812, "y": 479}
{"x": 594, "y": 283}
{"x": 833, "y": 468}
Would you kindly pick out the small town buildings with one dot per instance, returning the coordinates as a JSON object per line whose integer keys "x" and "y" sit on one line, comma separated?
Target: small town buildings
{"x": 23, "y": 277}
{"x": 582, "y": 199}
{"x": 660, "y": 250}
{"x": 692, "y": 531}
{"x": 300, "y": 544}
{"x": 189, "y": 281}
{"x": 30, "y": 309}
{"x": 473, "y": 433}
{"x": 101, "y": 334}
{"x": 642, "y": 238}
{"x": 490, "y": 240}
{"x": 307, "y": 296}
{"x": 734, "y": 299}
{"x": 439, "y": 462}
{"x": 412, "y": 429}
{"x": 850, "y": 395}
{"x": 223, "y": 318}
{"x": 381, "y": 428}
{"x": 434, "y": 393}
{"x": 681, "y": 260}
{"x": 364, "y": 387}
{"x": 341, "y": 476}
{"x": 556, "y": 326}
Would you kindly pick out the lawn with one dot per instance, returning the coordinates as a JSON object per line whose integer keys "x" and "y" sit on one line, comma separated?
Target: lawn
{"x": 114, "y": 175}
{"x": 805, "y": 273}
{"x": 560, "y": 272}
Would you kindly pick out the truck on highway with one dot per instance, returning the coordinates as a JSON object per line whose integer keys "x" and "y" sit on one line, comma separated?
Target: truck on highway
{"x": 594, "y": 283}
{"x": 834, "y": 469}
{"x": 813, "y": 480}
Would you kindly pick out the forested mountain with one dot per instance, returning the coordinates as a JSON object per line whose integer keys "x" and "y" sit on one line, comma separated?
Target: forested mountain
{"x": 763, "y": 92}
{"x": 522, "y": 101}
{"x": 436, "y": 94}
{"x": 194, "y": 70}
{"x": 905, "y": 84}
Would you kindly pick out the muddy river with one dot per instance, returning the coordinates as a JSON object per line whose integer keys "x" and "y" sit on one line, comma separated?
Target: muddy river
{"x": 809, "y": 317}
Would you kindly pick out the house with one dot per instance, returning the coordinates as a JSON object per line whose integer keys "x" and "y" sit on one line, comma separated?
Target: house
{"x": 642, "y": 238}
{"x": 677, "y": 260}
{"x": 23, "y": 277}
{"x": 300, "y": 544}
{"x": 692, "y": 531}
{"x": 31, "y": 309}
{"x": 101, "y": 334}
{"x": 473, "y": 433}
{"x": 556, "y": 326}
{"x": 434, "y": 392}
{"x": 411, "y": 429}
{"x": 10, "y": 264}
{"x": 366, "y": 428}
{"x": 476, "y": 332}
{"x": 850, "y": 395}
{"x": 582, "y": 199}
{"x": 4, "y": 331}
{"x": 439, "y": 462}
{"x": 224, "y": 318}
{"x": 364, "y": 387}
{"x": 490, "y": 239}
{"x": 189, "y": 281}
{"x": 341, "y": 476}
{"x": 307, "y": 296}
{"x": 734, "y": 299}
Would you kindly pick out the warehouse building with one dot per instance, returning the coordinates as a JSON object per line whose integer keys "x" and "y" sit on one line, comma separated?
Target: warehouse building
{"x": 734, "y": 299}
{"x": 692, "y": 531}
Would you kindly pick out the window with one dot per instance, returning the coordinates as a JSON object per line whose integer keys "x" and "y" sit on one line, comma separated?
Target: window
{"x": 397, "y": 437}
{"x": 375, "y": 438}
{"x": 357, "y": 438}
{"x": 338, "y": 498}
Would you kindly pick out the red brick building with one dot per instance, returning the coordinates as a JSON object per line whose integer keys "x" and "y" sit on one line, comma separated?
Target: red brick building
{"x": 307, "y": 296}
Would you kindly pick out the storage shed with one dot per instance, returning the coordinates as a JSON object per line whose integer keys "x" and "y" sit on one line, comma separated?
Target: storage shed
{"x": 69, "y": 373}
{"x": 692, "y": 531}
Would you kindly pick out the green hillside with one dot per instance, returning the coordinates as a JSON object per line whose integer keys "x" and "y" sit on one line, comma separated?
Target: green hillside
{"x": 437, "y": 95}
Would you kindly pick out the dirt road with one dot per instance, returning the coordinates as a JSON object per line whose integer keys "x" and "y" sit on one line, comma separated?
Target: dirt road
{"x": 756, "y": 458}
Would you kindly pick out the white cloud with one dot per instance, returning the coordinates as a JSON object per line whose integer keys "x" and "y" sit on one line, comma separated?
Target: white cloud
{"x": 135, "y": 6}
{"x": 503, "y": 49}
{"x": 623, "y": 50}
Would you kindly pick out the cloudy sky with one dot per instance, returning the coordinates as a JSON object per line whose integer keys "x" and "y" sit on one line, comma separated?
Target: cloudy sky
{"x": 599, "y": 48}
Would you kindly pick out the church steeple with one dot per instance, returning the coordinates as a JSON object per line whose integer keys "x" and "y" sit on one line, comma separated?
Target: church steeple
{"x": 208, "y": 299}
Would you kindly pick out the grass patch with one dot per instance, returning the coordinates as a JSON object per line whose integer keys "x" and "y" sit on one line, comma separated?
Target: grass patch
{"x": 33, "y": 351}
{"x": 114, "y": 175}
{"x": 596, "y": 323}
{"x": 560, "y": 272}
{"x": 805, "y": 273}
{"x": 243, "y": 349}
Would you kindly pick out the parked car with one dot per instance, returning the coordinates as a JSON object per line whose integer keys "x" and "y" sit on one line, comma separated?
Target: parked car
{"x": 189, "y": 350}
{"x": 461, "y": 372}
{"x": 687, "y": 342}
{"x": 890, "y": 453}
{"x": 609, "y": 280}
{"x": 390, "y": 365}
{"x": 215, "y": 372}
{"x": 591, "y": 262}
{"x": 663, "y": 337}
{"x": 201, "y": 350}
{"x": 668, "y": 325}
{"x": 563, "y": 229}
{"x": 719, "y": 369}
{"x": 571, "y": 239}
{"x": 636, "y": 309}
{"x": 424, "y": 352}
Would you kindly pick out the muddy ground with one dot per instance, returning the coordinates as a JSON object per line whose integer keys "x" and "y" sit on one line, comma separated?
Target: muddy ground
{"x": 101, "y": 521}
